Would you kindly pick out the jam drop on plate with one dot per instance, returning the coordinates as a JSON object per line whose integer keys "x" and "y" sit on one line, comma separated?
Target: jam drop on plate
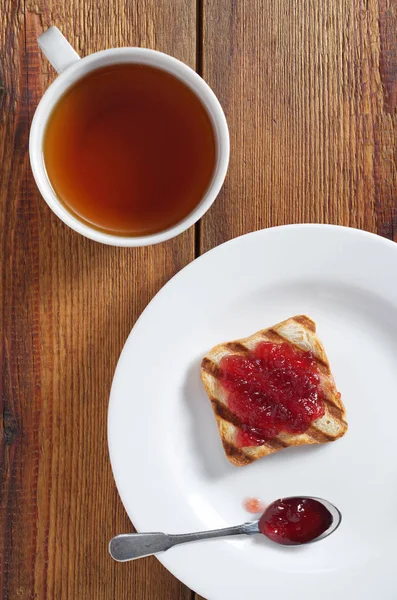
{"x": 254, "y": 505}
{"x": 291, "y": 521}
{"x": 275, "y": 388}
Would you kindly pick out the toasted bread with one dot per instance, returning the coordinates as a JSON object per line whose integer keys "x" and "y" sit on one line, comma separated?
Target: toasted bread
{"x": 299, "y": 331}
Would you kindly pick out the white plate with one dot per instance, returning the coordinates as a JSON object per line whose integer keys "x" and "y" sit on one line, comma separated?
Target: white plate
{"x": 166, "y": 455}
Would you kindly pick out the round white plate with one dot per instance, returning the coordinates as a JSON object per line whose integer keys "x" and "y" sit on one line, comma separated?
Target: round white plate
{"x": 165, "y": 450}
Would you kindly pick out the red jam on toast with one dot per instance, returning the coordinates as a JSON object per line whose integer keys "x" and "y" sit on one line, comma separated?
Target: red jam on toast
{"x": 273, "y": 389}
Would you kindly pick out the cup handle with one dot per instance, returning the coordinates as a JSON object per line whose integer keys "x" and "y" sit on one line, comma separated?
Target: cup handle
{"x": 57, "y": 49}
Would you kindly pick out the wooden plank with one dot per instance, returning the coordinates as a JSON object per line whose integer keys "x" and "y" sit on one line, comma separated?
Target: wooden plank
{"x": 385, "y": 130}
{"x": 309, "y": 91}
{"x": 68, "y": 305}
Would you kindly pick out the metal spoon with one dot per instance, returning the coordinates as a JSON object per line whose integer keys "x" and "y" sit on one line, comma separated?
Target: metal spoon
{"x": 130, "y": 546}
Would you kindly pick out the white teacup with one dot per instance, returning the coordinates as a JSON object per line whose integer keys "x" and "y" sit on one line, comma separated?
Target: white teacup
{"x": 71, "y": 68}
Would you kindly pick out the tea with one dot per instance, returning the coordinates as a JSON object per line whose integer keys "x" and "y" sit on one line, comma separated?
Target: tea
{"x": 130, "y": 149}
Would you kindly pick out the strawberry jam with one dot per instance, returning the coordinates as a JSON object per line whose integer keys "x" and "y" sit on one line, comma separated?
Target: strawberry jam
{"x": 254, "y": 505}
{"x": 295, "y": 520}
{"x": 273, "y": 389}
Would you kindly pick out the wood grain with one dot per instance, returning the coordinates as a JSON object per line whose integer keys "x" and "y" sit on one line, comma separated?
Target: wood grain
{"x": 385, "y": 129}
{"x": 309, "y": 90}
{"x": 68, "y": 306}
{"x": 310, "y": 93}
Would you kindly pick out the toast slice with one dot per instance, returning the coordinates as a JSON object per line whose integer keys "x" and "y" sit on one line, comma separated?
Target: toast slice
{"x": 300, "y": 331}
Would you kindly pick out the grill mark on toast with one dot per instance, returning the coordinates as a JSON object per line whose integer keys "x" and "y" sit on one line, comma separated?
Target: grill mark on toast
{"x": 323, "y": 366}
{"x": 306, "y": 322}
{"x": 275, "y": 444}
{"x": 333, "y": 409}
{"x": 223, "y": 412}
{"x": 273, "y": 336}
{"x": 233, "y": 452}
{"x": 237, "y": 347}
{"x": 319, "y": 436}
{"x": 210, "y": 367}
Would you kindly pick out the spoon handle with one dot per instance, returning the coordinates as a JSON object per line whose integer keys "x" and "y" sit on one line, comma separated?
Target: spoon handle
{"x": 137, "y": 545}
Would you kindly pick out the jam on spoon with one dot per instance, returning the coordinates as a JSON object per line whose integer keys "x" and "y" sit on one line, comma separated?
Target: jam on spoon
{"x": 291, "y": 521}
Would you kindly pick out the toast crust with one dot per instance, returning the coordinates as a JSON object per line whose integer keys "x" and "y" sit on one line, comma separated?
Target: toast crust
{"x": 299, "y": 331}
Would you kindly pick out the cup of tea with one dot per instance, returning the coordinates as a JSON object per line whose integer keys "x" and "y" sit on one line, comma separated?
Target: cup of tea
{"x": 128, "y": 146}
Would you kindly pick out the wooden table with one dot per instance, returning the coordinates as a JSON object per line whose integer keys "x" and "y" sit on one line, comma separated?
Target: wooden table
{"x": 309, "y": 88}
